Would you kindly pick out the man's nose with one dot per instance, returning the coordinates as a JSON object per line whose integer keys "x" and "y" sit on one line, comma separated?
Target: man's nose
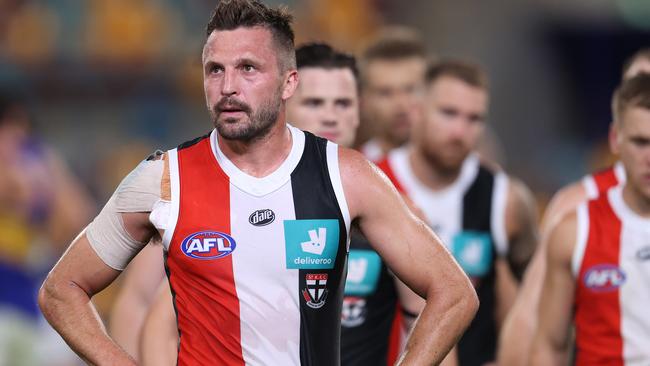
{"x": 229, "y": 83}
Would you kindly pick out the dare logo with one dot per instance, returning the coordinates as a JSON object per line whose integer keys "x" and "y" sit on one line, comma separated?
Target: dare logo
{"x": 604, "y": 278}
{"x": 208, "y": 245}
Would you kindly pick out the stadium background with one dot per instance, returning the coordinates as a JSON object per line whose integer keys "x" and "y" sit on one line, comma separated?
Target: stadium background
{"x": 108, "y": 81}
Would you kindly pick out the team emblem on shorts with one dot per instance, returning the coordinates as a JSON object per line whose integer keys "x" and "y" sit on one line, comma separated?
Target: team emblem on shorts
{"x": 316, "y": 292}
{"x": 353, "y": 312}
{"x": 208, "y": 245}
{"x": 604, "y": 278}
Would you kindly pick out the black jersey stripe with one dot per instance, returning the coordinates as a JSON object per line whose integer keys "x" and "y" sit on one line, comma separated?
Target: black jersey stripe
{"x": 314, "y": 198}
{"x": 478, "y": 345}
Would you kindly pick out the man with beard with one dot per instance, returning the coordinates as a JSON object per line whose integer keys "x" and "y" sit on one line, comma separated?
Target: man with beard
{"x": 487, "y": 219}
{"x": 392, "y": 70}
{"x": 597, "y": 256}
{"x": 254, "y": 220}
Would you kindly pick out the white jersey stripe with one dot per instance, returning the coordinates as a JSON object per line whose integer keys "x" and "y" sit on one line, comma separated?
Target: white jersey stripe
{"x": 589, "y": 184}
{"x": 270, "y": 324}
{"x": 582, "y": 235}
{"x": 335, "y": 177}
{"x": 498, "y": 214}
{"x": 172, "y": 155}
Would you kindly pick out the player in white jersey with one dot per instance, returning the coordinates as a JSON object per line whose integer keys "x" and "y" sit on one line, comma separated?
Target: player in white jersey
{"x": 519, "y": 326}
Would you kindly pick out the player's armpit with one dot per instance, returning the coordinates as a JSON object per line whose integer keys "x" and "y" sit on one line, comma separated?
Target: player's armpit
{"x": 555, "y": 309}
{"x": 521, "y": 227}
{"x": 415, "y": 255}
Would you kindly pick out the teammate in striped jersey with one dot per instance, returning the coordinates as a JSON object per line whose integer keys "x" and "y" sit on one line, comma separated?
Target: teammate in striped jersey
{"x": 519, "y": 326}
{"x": 256, "y": 226}
{"x": 486, "y": 218}
{"x": 598, "y": 259}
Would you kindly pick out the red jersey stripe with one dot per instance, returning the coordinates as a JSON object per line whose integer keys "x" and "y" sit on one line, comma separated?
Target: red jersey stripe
{"x": 597, "y": 301}
{"x": 204, "y": 290}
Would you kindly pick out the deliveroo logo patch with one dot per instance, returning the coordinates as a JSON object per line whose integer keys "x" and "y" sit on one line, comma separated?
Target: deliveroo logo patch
{"x": 363, "y": 272}
{"x": 473, "y": 251}
{"x": 311, "y": 244}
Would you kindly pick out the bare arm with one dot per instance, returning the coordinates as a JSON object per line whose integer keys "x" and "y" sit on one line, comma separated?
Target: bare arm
{"x": 138, "y": 291}
{"x": 415, "y": 255}
{"x": 550, "y": 343}
{"x": 65, "y": 296}
{"x": 521, "y": 322}
{"x": 159, "y": 340}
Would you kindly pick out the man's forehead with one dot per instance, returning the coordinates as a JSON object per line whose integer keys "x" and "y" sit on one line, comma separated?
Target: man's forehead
{"x": 255, "y": 39}
{"x": 317, "y": 80}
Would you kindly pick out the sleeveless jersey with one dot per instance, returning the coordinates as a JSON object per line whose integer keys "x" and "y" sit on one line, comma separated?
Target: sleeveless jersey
{"x": 369, "y": 307}
{"x": 611, "y": 263}
{"x": 257, "y": 265}
{"x": 597, "y": 183}
{"x": 469, "y": 217}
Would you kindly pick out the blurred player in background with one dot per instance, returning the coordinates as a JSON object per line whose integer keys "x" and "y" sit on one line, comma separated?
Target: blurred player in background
{"x": 487, "y": 219}
{"x": 520, "y": 325}
{"x": 42, "y": 206}
{"x": 598, "y": 255}
{"x": 392, "y": 70}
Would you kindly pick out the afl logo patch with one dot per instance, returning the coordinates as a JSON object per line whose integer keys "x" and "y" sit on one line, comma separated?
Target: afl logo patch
{"x": 261, "y": 217}
{"x": 604, "y": 278}
{"x": 208, "y": 245}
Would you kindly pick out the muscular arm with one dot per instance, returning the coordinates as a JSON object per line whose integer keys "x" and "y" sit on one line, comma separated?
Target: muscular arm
{"x": 550, "y": 343}
{"x": 415, "y": 255}
{"x": 521, "y": 227}
{"x": 65, "y": 296}
{"x": 521, "y": 322}
{"x": 138, "y": 291}
{"x": 159, "y": 340}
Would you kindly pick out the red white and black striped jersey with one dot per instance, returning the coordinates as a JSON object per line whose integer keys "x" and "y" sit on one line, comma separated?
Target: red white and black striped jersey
{"x": 469, "y": 216}
{"x": 256, "y": 265}
{"x": 611, "y": 265}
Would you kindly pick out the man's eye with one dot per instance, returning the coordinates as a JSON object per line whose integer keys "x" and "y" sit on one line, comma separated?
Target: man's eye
{"x": 215, "y": 69}
{"x": 248, "y": 68}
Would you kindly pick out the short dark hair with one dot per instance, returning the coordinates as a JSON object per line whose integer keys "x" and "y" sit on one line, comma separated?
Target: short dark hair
{"x": 464, "y": 71}
{"x": 232, "y": 14}
{"x": 394, "y": 43}
{"x": 642, "y": 54}
{"x": 633, "y": 92}
{"x": 322, "y": 55}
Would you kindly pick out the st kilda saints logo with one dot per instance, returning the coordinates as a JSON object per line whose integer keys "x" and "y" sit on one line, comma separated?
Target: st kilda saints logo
{"x": 261, "y": 217}
{"x": 316, "y": 292}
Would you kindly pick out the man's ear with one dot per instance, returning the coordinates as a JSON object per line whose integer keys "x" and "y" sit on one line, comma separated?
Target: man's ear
{"x": 290, "y": 84}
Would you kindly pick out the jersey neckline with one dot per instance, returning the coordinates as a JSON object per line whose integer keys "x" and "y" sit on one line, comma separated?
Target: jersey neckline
{"x": 401, "y": 165}
{"x": 623, "y": 210}
{"x": 269, "y": 183}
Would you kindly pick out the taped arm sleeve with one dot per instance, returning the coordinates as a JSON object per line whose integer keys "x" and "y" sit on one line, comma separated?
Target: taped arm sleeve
{"x": 137, "y": 193}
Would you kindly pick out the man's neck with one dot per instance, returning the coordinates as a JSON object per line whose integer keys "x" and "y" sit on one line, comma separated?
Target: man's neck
{"x": 429, "y": 173}
{"x": 259, "y": 157}
{"x": 636, "y": 201}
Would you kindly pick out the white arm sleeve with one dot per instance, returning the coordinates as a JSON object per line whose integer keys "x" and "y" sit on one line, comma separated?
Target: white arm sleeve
{"x": 136, "y": 193}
